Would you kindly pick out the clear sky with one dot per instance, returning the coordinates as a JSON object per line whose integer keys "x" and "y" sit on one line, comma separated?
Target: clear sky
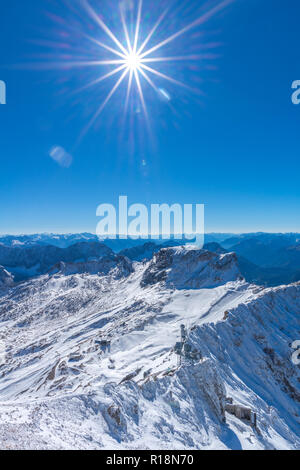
{"x": 234, "y": 148}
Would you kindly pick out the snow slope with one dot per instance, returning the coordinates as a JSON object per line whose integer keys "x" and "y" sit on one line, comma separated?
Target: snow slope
{"x": 89, "y": 359}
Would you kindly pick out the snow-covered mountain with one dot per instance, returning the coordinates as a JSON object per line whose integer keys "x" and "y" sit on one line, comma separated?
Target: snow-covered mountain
{"x": 43, "y": 239}
{"x": 189, "y": 268}
{"x": 89, "y": 358}
{"x": 269, "y": 259}
{"x": 38, "y": 259}
{"x": 117, "y": 245}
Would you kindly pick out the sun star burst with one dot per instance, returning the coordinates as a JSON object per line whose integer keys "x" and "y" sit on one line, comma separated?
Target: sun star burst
{"x": 135, "y": 62}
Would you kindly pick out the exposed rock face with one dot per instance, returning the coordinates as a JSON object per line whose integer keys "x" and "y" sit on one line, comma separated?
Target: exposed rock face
{"x": 36, "y": 260}
{"x": 140, "y": 253}
{"x": 189, "y": 268}
{"x": 146, "y": 251}
{"x": 203, "y": 379}
{"x": 215, "y": 248}
{"x": 259, "y": 334}
{"x": 118, "y": 266}
{"x": 6, "y": 279}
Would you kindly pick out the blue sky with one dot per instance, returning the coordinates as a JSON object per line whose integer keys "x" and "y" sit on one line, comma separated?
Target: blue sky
{"x": 235, "y": 148}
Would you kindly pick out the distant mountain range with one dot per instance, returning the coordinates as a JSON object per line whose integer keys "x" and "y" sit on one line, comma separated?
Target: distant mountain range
{"x": 266, "y": 250}
{"x": 65, "y": 240}
{"x": 263, "y": 258}
{"x": 270, "y": 259}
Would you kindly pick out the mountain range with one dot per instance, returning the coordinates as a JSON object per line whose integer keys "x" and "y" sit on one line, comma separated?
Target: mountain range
{"x": 89, "y": 350}
{"x": 265, "y": 259}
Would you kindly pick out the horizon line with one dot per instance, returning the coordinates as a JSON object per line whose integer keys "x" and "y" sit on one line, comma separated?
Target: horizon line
{"x": 149, "y": 235}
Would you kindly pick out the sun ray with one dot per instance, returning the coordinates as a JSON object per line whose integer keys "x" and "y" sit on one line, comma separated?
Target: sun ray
{"x": 166, "y": 77}
{"x": 109, "y": 62}
{"x": 206, "y": 16}
{"x": 152, "y": 31}
{"x": 101, "y": 23}
{"x": 148, "y": 79}
{"x": 155, "y": 88}
{"x": 131, "y": 51}
{"x": 175, "y": 58}
{"x": 71, "y": 64}
{"x": 105, "y": 46}
{"x": 137, "y": 78}
{"x": 128, "y": 90}
{"x": 104, "y": 103}
{"x": 100, "y": 79}
{"x": 141, "y": 94}
{"x": 138, "y": 23}
{"x": 125, "y": 29}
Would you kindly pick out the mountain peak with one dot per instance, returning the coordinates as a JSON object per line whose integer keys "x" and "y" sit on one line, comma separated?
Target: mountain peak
{"x": 182, "y": 268}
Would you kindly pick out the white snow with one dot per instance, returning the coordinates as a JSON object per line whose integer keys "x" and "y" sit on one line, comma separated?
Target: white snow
{"x": 59, "y": 390}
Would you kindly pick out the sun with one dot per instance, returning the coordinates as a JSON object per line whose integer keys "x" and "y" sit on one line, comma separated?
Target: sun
{"x": 133, "y": 61}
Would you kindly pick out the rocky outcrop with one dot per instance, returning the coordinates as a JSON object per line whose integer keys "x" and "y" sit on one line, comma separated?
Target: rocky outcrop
{"x": 190, "y": 268}
{"x": 118, "y": 266}
{"x": 36, "y": 260}
{"x": 6, "y": 279}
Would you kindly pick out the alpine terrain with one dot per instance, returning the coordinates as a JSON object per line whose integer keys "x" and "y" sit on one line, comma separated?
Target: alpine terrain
{"x": 171, "y": 350}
